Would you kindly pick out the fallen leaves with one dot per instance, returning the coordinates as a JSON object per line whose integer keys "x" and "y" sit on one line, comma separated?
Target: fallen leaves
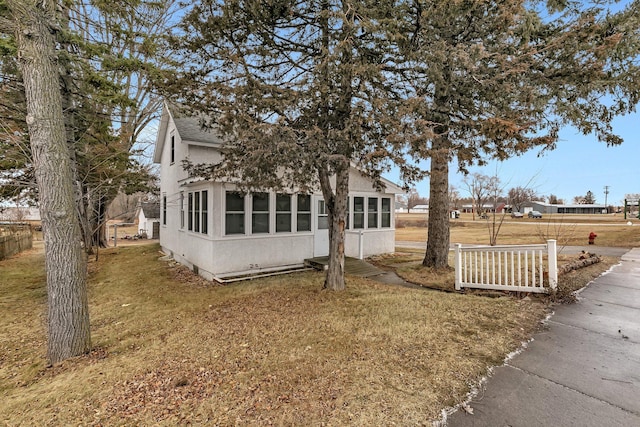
{"x": 164, "y": 391}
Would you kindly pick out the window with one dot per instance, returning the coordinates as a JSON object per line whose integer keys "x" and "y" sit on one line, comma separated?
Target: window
{"x": 372, "y": 212}
{"x": 196, "y": 211}
{"x": 197, "y": 205}
{"x": 164, "y": 210}
{"x": 304, "y": 212}
{"x": 260, "y": 213}
{"x": 358, "y": 212}
{"x": 204, "y": 229}
{"x": 234, "y": 215}
{"x": 346, "y": 225}
{"x": 323, "y": 217}
{"x": 173, "y": 148}
{"x": 283, "y": 213}
{"x": 386, "y": 213}
{"x": 190, "y": 212}
{"x": 181, "y": 210}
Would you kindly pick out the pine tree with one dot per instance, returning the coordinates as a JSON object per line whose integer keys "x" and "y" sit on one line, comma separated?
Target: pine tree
{"x": 298, "y": 90}
{"x": 110, "y": 54}
{"x": 489, "y": 80}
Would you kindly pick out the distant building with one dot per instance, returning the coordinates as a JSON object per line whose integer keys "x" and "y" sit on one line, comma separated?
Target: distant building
{"x": 419, "y": 208}
{"x": 149, "y": 219}
{"x": 401, "y": 207}
{"x": 19, "y": 213}
{"x": 549, "y": 208}
{"x": 485, "y": 208}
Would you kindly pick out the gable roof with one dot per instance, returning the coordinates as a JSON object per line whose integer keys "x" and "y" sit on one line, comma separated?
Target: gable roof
{"x": 150, "y": 209}
{"x": 191, "y": 132}
{"x": 188, "y": 127}
{"x": 392, "y": 187}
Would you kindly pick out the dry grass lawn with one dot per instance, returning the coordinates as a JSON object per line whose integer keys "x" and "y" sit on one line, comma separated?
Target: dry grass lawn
{"x": 170, "y": 349}
{"x": 567, "y": 230}
{"x": 173, "y": 349}
{"x": 408, "y": 265}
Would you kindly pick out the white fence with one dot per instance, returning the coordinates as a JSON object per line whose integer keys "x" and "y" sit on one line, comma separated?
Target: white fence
{"x": 508, "y": 268}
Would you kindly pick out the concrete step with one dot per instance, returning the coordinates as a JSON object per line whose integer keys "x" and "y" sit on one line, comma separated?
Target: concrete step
{"x": 353, "y": 266}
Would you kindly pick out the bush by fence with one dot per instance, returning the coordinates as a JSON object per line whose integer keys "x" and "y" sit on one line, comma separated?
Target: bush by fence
{"x": 14, "y": 238}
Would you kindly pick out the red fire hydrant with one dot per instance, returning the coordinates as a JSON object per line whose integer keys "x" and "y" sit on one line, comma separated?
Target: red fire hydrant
{"x": 592, "y": 238}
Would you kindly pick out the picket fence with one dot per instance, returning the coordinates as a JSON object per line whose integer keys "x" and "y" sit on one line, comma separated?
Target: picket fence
{"x": 523, "y": 268}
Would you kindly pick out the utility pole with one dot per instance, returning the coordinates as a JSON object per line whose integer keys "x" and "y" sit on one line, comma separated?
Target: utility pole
{"x": 606, "y": 193}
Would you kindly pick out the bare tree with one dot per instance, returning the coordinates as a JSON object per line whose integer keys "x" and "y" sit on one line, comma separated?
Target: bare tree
{"x": 481, "y": 188}
{"x": 415, "y": 199}
{"x": 554, "y": 200}
{"x": 518, "y": 196}
{"x": 495, "y": 219}
{"x": 587, "y": 199}
{"x": 454, "y": 197}
{"x": 558, "y": 231}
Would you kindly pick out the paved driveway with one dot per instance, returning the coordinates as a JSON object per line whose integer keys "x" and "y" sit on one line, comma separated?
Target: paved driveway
{"x": 582, "y": 370}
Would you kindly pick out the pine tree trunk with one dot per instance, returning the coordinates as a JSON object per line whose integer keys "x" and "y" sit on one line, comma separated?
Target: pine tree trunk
{"x": 337, "y": 210}
{"x": 437, "y": 253}
{"x": 65, "y": 262}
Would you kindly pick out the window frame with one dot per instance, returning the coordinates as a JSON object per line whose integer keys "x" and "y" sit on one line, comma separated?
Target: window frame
{"x": 182, "y": 210}
{"x": 190, "y": 211}
{"x": 228, "y": 213}
{"x": 255, "y": 213}
{"x": 284, "y": 213}
{"x": 372, "y": 215}
{"x": 204, "y": 211}
{"x": 164, "y": 209}
{"x": 385, "y": 214}
{"x": 303, "y": 213}
{"x": 323, "y": 214}
{"x": 359, "y": 215}
{"x": 196, "y": 211}
{"x": 173, "y": 149}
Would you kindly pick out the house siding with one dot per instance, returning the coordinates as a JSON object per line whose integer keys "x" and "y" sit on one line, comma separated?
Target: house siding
{"x": 215, "y": 253}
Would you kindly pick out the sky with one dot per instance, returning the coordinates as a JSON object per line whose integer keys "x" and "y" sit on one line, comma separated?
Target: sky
{"x": 579, "y": 164}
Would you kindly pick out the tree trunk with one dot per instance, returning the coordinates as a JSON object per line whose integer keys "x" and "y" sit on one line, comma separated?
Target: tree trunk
{"x": 65, "y": 262}
{"x": 437, "y": 253}
{"x": 83, "y": 217}
{"x": 101, "y": 232}
{"x": 97, "y": 209}
{"x": 337, "y": 208}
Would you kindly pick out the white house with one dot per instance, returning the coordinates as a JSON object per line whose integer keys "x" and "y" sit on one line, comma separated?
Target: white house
{"x": 149, "y": 219}
{"x": 219, "y": 232}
